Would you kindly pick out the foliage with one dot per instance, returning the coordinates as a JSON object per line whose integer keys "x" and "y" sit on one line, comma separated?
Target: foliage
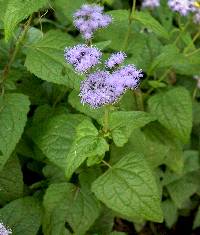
{"x": 67, "y": 168}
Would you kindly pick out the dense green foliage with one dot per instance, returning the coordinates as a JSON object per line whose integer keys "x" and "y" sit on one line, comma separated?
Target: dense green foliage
{"x": 65, "y": 168}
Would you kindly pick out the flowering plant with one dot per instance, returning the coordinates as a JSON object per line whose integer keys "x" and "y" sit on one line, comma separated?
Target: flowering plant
{"x": 99, "y": 111}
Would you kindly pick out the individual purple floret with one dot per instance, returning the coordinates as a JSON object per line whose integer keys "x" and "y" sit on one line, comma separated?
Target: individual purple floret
{"x": 151, "y": 3}
{"x": 115, "y": 59}
{"x": 181, "y": 6}
{"x": 97, "y": 91}
{"x": 129, "y": 76}
{"x": 82, "y": 57}
{"x": 4, "y": 230}
{"x": 89, "y": 18}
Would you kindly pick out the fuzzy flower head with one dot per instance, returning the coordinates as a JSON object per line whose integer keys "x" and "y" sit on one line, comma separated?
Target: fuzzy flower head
{"x": 151, "y": 3}
{"x": 4, "y": 230}
{"x": 115, "y": 60}
{"x": 89, "y": 18}
{"x": 97, "y": 91}
{"x": 181, "y": 6}
{"x": 82, "y": 57}
{"x": 129, "y": 76}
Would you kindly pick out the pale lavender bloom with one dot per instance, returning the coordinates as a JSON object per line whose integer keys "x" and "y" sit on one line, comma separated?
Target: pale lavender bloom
{"x": 82, "y": 57}
{"x": 151, "y": 3}
{"x": 4, "y": 230}
{"x": 197, "y": 17}
{"x": 102, "y": 87}
{"x": 181, "y": 6}
{"x": 97, "y": 91}
{"x": 89, "y": 18}
{"x": 129, "y": 76}
{"x": 115, "y": 59}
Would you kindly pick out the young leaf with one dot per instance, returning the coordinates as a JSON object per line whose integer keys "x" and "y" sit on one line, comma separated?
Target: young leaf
{"x": 18, "y": 10}
{"x": 122, "y": 123}
{"x": 87, "y": 144}
{"x": 66, "y": 203}
{"x": 13, "y": 115}
{"x": 174, "y": 111}
{"x": 52, "y": 66}
{"x": 129, "y": 188}
{"x": 11, "y": 181}
{"x": 23, "y": 216}
{"x": 151, "y": 23}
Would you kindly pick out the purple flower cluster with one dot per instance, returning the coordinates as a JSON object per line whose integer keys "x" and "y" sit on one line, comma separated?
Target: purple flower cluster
{"x": 115, "y": 60}
{"x": 102, "y": 87}
{"x": 97, "y": 91}
{"x": 182, "y": 6}
{"x": 82, "y": 57}
{"x": 89, "y": 18}
{"x": 151, "y": 3}
{"x": 4, "y": 230}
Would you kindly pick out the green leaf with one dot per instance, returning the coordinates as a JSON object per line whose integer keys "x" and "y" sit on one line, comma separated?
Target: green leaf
{"x": 191, "y": 165}
{"x": 151, "y": 23}
{"x": 67, "y": 142}
{"x": 52, "y": 66}
{"x": 115, "y": 31}
{"x": 13, "y": 115}
{"x": 158, "y": 134}
{"x": 154, "y": 151}
{"x": 64, "y": 9}
{"x": 196, "y": 222}
{"x": 143, "y": 49}
{"x": 55, "y": 137}
{"x": 174, "y": 111}
{"x": 87, "y": 144}
{"x": 117, "y": 233}
{"x": 104, "y": 223}
{"x": 170, "y": 212}
{"x": 168, "y": 55}
{"x": 3, "y": 5}
{"x": 18, "y": 10}
{"x": 122, "y": 123}
{"x": 129, "y": 188}
{"x": 66, "y": 203}
{"x": 23, "y": 216}
{"x": 181, "y": 189}
{"x": 11, "y": 181}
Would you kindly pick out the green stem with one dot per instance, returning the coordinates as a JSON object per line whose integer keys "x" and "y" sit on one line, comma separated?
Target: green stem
{"x": 192, "y": 53}
{"x": 107, "y": 164}
{"x": 106, "y": 119}
{"x": 193, "y": 41}
{"x": 182, "y": 31}
{"x": 139, "y": 99}
{"x": 159, "y": 80}
{"x": 14, "y": 53}
{"x": 194, "y": 93}
{"x": 132, "y": 12}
